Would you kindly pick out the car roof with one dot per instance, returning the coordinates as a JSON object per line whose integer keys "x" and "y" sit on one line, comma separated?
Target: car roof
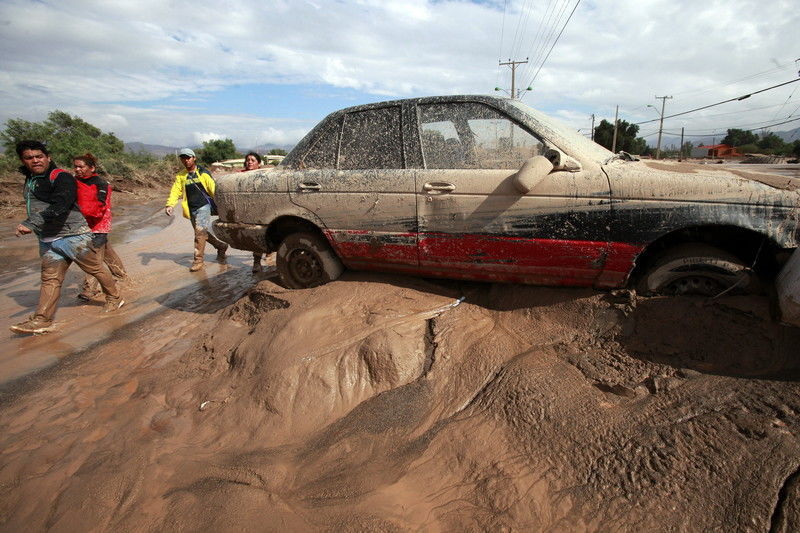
{"x": 553, "y": 131}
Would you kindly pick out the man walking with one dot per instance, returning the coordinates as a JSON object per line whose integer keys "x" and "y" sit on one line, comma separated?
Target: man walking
{"x": 196, "y": 186}
{"x": 64, "y": 236}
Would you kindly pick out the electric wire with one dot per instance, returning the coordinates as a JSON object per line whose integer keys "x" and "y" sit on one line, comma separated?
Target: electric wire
{"x": 716, "y": 104}
{"x": 547, "y": 26}
{"x": 554, "y": 43}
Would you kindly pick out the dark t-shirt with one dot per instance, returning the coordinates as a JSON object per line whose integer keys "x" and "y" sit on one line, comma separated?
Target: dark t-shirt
{"x": 195, "y": 192}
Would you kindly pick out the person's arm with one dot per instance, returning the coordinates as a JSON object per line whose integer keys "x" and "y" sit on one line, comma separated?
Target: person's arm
{"x": 174, "y": 195}
{"x": 208, "y": 183}
{"x": 62, "y": 197}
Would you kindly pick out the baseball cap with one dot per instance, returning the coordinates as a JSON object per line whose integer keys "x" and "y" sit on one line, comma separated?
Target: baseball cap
{"x": 187, "y": 152}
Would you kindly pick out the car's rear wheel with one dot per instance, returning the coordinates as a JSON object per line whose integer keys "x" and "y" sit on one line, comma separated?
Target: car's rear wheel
{"x": 307, "y": 260}
{"x": 696, "y": 269}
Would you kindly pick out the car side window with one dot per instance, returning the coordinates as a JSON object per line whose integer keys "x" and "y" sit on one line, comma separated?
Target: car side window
{"x": 473, "y": 135}
{"x": 371, "y": 139}
{"x": 323, "y": 153}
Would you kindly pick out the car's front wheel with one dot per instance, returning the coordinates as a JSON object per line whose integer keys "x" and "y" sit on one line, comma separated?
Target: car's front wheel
{"x": 307, "y": 260}
{"x": 696, "y": 269}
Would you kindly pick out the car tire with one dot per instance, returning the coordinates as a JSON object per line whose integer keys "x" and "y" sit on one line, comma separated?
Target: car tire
{"x": 696, "y": 269}
{"x": 306, "y": 260}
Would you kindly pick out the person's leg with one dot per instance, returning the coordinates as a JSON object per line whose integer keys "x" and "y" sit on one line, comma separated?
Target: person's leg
{"x": 54, "y": 268}
{"x": 53, "y": 272}
{"x": 257, "y": 261}
{"x": 114, "y": 262}
{"x": 200, "y": 237}
{"x": 79, "y": 248}
{"x": 91, "y": 286}
{"x": 203, "y": 220}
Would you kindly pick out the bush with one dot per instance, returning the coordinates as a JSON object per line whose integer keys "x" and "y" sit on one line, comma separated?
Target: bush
{"x": 748, "y": 149}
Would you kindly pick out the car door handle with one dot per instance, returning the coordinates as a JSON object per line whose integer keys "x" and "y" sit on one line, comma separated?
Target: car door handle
{"x": 439, "y": 186}
{"x": 309, "y": 186}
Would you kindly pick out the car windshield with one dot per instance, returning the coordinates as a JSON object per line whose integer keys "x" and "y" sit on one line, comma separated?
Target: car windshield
{"x": 562, "y": 136}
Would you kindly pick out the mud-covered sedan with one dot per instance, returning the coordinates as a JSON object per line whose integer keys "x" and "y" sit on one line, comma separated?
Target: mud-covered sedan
{"x": 484, "y": 188}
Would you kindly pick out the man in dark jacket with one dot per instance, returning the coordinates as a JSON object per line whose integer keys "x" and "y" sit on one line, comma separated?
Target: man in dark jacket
{"x": 64, "y": 236}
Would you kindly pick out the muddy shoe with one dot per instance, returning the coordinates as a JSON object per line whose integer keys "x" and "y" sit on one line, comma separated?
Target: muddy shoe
{"x": 256, "y": 267}
{"x": 112, "y": 304}
{"x": 221, "y": 252}
{"x": 34, "y": 325}
{"x": 197, "y": 265}
{"x": 86, "y": 297}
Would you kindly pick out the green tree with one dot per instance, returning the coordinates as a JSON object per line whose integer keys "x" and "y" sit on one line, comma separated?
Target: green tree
{"x": 65, "y": 136}
{"x": 794, "y": 149}
{"x": 277, "y": 151}
{"x": 626, "y": 137}
{"x": 217, "y": 150}
{"x": 770, "y": 142}
{"x": 737, "y": 137}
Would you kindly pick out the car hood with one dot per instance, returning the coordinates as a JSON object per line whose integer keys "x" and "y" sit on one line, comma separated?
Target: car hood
{"x": 673, "y": 181}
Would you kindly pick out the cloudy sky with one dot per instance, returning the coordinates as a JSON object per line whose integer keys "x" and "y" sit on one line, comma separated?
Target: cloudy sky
{"x": 175, "y": 72}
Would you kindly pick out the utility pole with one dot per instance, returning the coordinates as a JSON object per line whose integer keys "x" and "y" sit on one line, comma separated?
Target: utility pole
{"x": 616, "y": 123}
{"x": 661, "y": 123}
{"x": 680, "y": 153}
{"x": 513, "y": 65}
{"x": 592, "y": 126}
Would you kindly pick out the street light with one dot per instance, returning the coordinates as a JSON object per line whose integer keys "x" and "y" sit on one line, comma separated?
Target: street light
{"x": 660, "y": 123}
{"x": 519, "y": 91}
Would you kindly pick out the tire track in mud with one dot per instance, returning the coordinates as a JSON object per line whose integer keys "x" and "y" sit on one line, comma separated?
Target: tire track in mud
{"x": 523, "y": 408}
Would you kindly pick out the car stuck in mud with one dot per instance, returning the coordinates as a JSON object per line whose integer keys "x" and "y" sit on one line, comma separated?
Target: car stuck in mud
{"x": 485, "y": 188}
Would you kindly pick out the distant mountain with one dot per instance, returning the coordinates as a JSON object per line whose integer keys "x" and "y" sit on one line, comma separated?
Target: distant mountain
{"x": 161, "y": 151}
{"x": 669, "y": 142}
{"x": 154, "y": 149}
{"x": 789, "y": 136}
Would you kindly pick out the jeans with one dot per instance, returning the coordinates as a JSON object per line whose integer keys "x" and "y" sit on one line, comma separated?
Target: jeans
{"x": 201, "y": 218}
{"x": 56, "y": 258}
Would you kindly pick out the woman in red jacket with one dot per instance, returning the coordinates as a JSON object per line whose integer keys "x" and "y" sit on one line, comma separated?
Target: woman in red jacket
{"x": 94, "y": 201}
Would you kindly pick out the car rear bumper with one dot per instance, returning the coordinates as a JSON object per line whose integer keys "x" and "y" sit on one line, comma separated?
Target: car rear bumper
{"x": 251, "y": 237}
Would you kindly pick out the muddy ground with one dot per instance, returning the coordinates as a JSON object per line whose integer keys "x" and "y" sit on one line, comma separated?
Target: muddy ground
{"x": 224, "y": 402}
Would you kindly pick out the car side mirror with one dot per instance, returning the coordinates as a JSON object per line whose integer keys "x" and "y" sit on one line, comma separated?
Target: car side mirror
{"x": 562, "y": 161}
{"x": 531, "y": 173}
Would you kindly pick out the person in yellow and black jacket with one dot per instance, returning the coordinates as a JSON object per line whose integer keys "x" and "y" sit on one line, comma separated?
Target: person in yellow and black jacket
{"x": 196, "y": 186}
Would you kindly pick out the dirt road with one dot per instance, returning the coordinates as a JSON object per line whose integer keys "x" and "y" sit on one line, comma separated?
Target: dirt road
{"x": 394, "y": 403}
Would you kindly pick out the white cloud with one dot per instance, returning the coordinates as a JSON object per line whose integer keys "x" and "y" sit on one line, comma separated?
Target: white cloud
{"x": 109, "y": 61}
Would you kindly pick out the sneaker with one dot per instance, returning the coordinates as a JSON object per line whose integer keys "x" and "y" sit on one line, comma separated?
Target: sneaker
{"x": 197, "y": 265}
{"x": 112, "y": 304}
{"x": 221, "y": 252}
{"x": 33, "y": 325}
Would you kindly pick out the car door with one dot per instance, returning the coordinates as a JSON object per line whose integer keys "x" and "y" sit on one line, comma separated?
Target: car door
{"x": 475, "y": 223}
{"x": 361, "y": 191}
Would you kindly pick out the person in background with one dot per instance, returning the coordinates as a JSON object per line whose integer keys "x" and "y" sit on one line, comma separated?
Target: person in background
{"x": 64, "y": 237}
{"x": 196, "y": 186}
{"x": 252, "y": 161}
{"x": 94, "y": 201}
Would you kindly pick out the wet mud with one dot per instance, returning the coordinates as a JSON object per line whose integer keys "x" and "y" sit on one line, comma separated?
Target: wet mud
{"x": 394, "y": 403}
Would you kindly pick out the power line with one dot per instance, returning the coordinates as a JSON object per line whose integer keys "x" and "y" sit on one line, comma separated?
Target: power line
{"x": 718, "y": 103}
{"x": 732, "y": 82}
{"x": 502, "y": 35}
{"x": 549, "y": 25}
{"x": 554, "y": 42}
{"x": 720, "y": 131}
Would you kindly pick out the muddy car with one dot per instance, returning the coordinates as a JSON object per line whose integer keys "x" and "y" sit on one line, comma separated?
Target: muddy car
{"x": 484, "y": 188}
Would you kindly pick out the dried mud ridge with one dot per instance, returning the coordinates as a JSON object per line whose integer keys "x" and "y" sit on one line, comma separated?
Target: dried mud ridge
{"x": 385, "y": 404}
